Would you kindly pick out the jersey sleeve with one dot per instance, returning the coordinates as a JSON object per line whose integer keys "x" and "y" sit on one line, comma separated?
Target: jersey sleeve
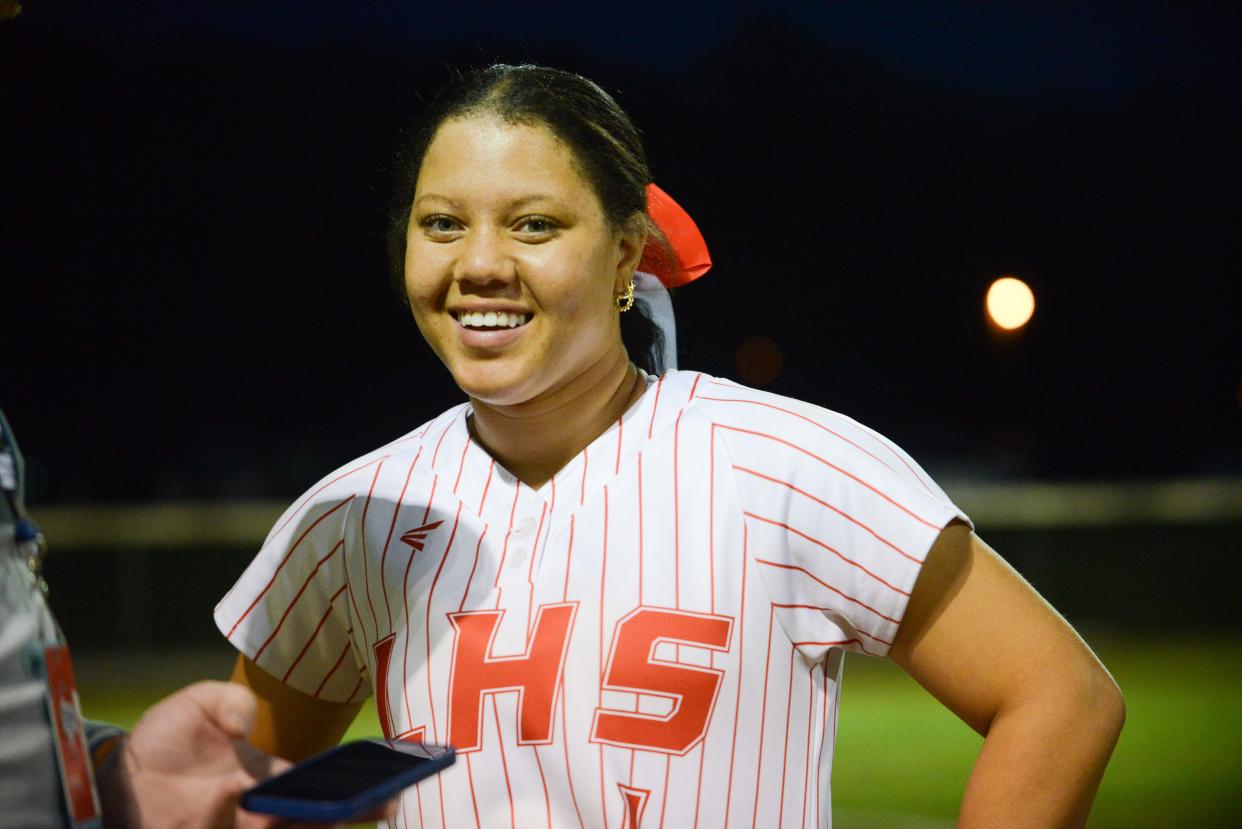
{"x": 289, "y": 611}
{"x": 838, "y": 522}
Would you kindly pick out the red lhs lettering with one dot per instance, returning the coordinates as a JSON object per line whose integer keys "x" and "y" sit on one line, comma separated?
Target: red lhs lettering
{"x": 383, "y": 662}
{"x": 632, "y": 667}
{"x": 534, "y": 675}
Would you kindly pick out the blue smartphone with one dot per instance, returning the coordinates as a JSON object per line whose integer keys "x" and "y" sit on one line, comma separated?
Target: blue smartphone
{"x": 348, "y": 780}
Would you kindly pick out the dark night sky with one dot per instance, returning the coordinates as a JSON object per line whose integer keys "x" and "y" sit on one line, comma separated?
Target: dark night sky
{"x": 193, "y": 201}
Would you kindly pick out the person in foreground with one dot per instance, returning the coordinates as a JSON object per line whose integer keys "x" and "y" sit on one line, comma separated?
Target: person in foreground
{"x": 186, "y": 761}
{"x": 625, "y": 595}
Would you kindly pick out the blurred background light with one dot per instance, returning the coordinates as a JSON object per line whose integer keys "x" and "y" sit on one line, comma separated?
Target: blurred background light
{"x": 1010, "y": 303}
{"x": 759, "y": 360}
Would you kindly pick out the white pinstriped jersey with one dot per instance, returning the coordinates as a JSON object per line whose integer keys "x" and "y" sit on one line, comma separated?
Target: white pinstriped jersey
{"x": 653, "y": 638}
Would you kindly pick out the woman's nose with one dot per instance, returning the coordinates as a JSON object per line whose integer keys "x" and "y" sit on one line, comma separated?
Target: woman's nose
{"x": 485, "y": 259}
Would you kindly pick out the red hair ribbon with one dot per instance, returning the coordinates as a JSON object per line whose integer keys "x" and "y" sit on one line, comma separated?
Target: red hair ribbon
{"x": 689, "y": 259}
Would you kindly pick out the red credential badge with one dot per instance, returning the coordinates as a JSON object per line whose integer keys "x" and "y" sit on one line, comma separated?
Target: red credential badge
{"x": 66, "y": 715}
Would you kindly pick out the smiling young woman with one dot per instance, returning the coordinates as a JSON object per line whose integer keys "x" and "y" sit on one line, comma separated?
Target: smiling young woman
{"x": 503, "y": 224}
{"x": 625, "y": 595}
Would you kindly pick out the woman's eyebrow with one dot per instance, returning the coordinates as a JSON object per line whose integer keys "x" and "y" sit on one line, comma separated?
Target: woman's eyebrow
{"x": 516, "y": 204}
{"x": 523, "y": 201}
{"x": 435, "y": 197}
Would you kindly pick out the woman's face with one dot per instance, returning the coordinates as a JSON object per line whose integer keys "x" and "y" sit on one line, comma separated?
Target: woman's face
{"x": 511, "y": 266}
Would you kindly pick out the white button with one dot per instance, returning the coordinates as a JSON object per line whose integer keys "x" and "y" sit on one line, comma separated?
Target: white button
{"x": 526, "y": 527}
{"x": 517, "y": 557}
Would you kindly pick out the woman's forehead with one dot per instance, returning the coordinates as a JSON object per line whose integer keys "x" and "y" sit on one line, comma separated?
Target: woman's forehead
{"x": 486, "y": 156}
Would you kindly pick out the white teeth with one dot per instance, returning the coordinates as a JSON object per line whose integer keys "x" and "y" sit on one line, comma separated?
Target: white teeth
{"x": 490, "y": 319}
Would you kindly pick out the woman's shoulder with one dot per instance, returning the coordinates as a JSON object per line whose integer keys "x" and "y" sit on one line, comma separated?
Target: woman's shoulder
{"x": 358, "y": 476}
{"x": 725, "y": 400}
{"x": 765, "y": 422}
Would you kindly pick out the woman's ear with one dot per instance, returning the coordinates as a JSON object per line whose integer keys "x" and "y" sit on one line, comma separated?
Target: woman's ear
{"x": 630, "y": 243}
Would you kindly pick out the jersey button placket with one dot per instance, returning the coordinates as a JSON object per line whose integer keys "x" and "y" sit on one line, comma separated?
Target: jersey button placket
{"x": 522, "y": 538}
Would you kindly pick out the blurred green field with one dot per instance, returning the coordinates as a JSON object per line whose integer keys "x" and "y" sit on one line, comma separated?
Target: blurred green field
{"x": 1179, "y": 762}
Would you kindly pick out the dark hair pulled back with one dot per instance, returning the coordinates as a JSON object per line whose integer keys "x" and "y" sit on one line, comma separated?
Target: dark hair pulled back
{"x": 604, "y": 141}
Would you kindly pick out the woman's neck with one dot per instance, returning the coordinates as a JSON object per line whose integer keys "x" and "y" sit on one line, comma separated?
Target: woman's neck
{"x": 535, "y": 440}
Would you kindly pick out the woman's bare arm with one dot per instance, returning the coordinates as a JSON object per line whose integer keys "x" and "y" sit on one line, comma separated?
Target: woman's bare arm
{"x": 984, "y": 643}
{"x": 289, "y": 723}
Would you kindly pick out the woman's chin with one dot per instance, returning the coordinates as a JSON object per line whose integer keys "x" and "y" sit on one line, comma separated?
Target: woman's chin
{"x": 493, "y": 390}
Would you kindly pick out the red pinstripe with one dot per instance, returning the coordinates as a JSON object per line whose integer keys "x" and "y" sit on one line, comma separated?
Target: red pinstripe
{"x": 473, "y": 800}
{"x": 362, "y": 533}
{"x": 741, "y": 671}
{"x": 676, "y": 521}
{"x": 780, "y": 817}
{"x": 357, "y": 685}
{"x": 640, "y": 535}
{"x": 835, "y": 509}
{"x": 462, "y": 605}
{"x": 603, "y": 579}
{"x": 504, "y": 764}
{"x": 462, "y": 466}
{"x": 353, "y": 600}
{"x": 668, "y": 763}
{"x": 582, "y": 492}
{"x": 620, "y": 433}
{"x": 431, "y": 700}
{"x": 810, "y": 720}
{"x": 711, "y": 579}
{"x": 530, "y": 602}
{"x": 845, "y": 596}
{"x": 655, "y": 407}
{"x": 569, "y": 557}
{"x": 835, "y": 468}
{"x": 312, "y": 495}
{"x": 698, "y": 797}
{"x": 823, "y": 736}
{"x": 763, "y": 719}
{"x": 835, "y": 643}
{"x": 329, "y": 674}
{"x": 829, "y": 548}
{"x": 405, "y": 599}
{"x": 913, "y": 471}
{"x": 313, "y": 635}
{"x": 547, "y": 801}
{"x": 694, "y": 386}
{"x": 289, "y": 609}
{"x": 283, "y": 561}
{"x": 396, "y": 510}
{"x": 530, "y": 567}
{"x": 486, "y": 486}
{"x": 569, "y": 777}
{"x": 435, "y": 455}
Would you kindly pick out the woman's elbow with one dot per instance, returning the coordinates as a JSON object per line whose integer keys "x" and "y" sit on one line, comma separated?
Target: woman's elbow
{"x": 1092, "y": 704}
{"x": 1107, "y": 703}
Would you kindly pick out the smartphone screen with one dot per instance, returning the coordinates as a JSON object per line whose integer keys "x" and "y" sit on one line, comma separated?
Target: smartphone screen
{"x": 347, "y": 780}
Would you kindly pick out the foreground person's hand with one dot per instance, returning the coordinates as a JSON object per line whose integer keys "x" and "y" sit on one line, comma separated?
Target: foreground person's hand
{"x": 187, "y": 762}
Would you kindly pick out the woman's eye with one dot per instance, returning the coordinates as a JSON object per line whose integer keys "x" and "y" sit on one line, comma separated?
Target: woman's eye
{"x": 439, "y": 224}
{"x": 538, "y": 225}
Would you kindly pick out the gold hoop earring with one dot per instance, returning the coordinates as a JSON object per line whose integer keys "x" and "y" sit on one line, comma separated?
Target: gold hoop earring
{"x": 626, "y": 301}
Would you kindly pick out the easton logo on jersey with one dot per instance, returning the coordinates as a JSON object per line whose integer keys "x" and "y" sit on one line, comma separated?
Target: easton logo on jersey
{"x": 417, "y": 537}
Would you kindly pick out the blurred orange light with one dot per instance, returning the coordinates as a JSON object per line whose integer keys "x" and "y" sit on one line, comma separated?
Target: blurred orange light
{"x": 1010, "y": 303}
{"x": 758, "y": 360}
